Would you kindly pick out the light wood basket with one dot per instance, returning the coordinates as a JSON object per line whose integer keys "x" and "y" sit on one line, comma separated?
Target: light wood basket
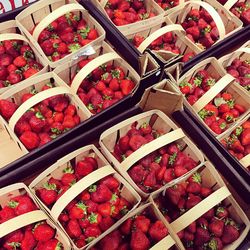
{"x": 158, "y": 121}
{"x": 226, "y": 22}
{"x": 9, "y": 30}
{"x": 103, "y": 170}
{"x": 166, "y": 243}
{"x": 245, "y": 161}
{"x": 211, "y": 178}
{"x": 37, "y": 83}
{"x": 104, "y": 55}
{"x": 28, "y": 218}
{"x": 129, "y": 28}
{"x": 46, "y": 11}
{"x": 152, "y": 33}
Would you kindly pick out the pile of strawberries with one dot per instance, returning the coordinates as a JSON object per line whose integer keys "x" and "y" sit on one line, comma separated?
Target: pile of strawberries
{"x": 157, "y": 168}
{"x": 106, "y": 85}
{"x": 123, "y": 12}
{"x": 40, "y": 236}
{"x": 17, "y": 62}
{"x": 138, "y": 232}
{"x": 240, "y": 70}
{"x": 242, "y": 11}
{"x": 95, "y": 210}
{"x": 238, "y": 143}
{"x": 45, "y": 121}
{"x": 213, "y": 230}
{"x": 197, "y": 86}
{"x": 65, "y": 35}
{"x": 165, "y": 42}
{"x": 200, "y": 28}
{"x": 221, "y": 112}
{"x": 167, "y": 4}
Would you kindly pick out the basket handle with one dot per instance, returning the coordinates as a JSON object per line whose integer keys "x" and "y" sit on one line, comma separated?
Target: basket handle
{"x": 151, "y": 146}
{"x": 80, "y": 186}
{"x": 165, "y": 243}
{"x": 21, "y": 221}
{"x": 210, "y": 9}
{"x": 12, "y": 36}
{"x": 211, "y": 93}
{"x": 158, "y": 33}
{"x": 35, "y": 100}
{"x": 245, "y": 161}
{"x": 89, "y": 67}
{"x": 200, "y": 209}
{"x": 230, "y": 3}
{"x": 53, "y": 16}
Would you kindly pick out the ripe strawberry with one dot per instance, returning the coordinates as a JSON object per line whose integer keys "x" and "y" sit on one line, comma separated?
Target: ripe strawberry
{"x": 30, "y": 72}
{"x": 141, "y": 223}
{"x": 221, "y": 213}
{"x": 7, "y": 108}
{"x": 216, "y": 227}
{"x": 192, "y": 201}
{"x": 139, "y": 241}
{"x": 205, "y": 191}
{"x": 230, "y": 234}
{"x": 100, "y": 193}
{"x": 68, "y": 177}
{"x": 136, "y": 141}
{"x": 78, "y": 211}
{"x": 111, "y": 241}
{"x": 158, "y": 231}
{"x": 30, "y": 140}
{"x": 111, "y": 182}
{"x": 47, "y": 47}
{"x": 73, "y": 229}
{"x": 137, "y": 173}
{"x": 4, "y": 72}
{"x": 53, "y": 244}
{"x": 127, "y": 86}
{"x": 28, "y": 242}
{"x": 201, "y": 236}
{"x": 20, "y": 61}
{"x": 48, "y": 194}
{"x": 43, "y": 232}
{"x": 215, "y": 243}
{"x": 83, "y": 168}
{"x": 6, "y": 213}
{"x": 92, "y": 231}
{"x": 95, "y": 218}
{"x": 5, "y": 60}
{"x": 150, "y": 179}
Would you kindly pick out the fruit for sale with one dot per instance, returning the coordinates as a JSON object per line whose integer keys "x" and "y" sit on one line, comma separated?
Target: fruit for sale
{"x": 200, "y": 27}
{"x": 241, "y": 9}
{"x": 167, "y": 4}
{"x": 221, "y": 112}
{"x": 141, "y": 231}
{"x": 214, "y": 229}
{"x": 17, "y": 62}
{"x": 122, "y": 12}
{"x": 157, "y": 168}
{"x": 44, "y": 121}
{"x": 66, "y": 35}
{"x": 105, "y": 86}
{"x": 238, "y": 142}
{"x": 240, "y": 69}
{"x": 39, "y": 236}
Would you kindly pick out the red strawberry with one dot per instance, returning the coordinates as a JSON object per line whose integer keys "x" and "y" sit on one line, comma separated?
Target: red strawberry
{"x": 43, "y": 232}
{"x": 139, "y": 241}
{"x": 111, "y": 182}
{"x": 83, "y": 168}
{"x": 3, "y": 72}
{"x": 100, "y": 193}
{"x": 215, "y": 243}
{"x": 192, "y": 201}
{"x": 194, "y": 31}
{"x": 5, "y": 60}
{"x": 106, "y": 223}
{"x": 28, "y": 242}
{"x": 125, "y": 228}
{"x": 95, "y": 218}
{"x": 111, "y": 241}
{"x": 169, "y": 175}
{"x": 30, "y": 140}
{"x": 13, "y": 240}
{"x": 127, "y": 86}
{"x": 136, "y": 141}
{"x": 180, "y": 170}
{"x": 22, "y": 204}
{"x": 230, "y": 234}
{"x": 221, "y": 212}
{"x": 20, "y": 61}
{"x": 53, "y": 244}
{"x": 92, "y": 231}
{"x": 205, "y": 191}
{"x": 68, "y": 177}
{"x": 48, "y": 194}
{"x": 158, "y": 231}
{"x": 192, "y": 227}
{"x": 7, "y": 109}
{"x": 6, "y": 213}
{"x": 78, "y": 211}
{"x": 124, "y": 143}
{"x": 150, "y": 180}
{"x": 73, "y": 229}
{"x": 47, "y": 47}
{"x": 14, "y": 77}
{"x": 202, "y": 236}
{"x": 216, "y": 227}
{"x": 193, "y": 187}
{"x": 137, "y": 173}
{"x": 141, "y": 223}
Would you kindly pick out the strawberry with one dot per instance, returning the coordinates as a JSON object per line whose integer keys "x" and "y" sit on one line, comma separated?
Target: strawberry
{"x": 205, "y": 191}
{"x": 73, "y": 229}
{"x": 14, "y": 77}
{"x": 68, "y": 177}
{"x": 48, "y": 194}
{"x": 37, "y": 122}
{"x": 100, "y": 193}
{"x": 192, "y": 201}
{"x": 78, "y": 211}
{"x": 221, "y": 213}
{"x": 106, "y": 223}
{"x": 92, "y": 231}
{"x": 201, "y": 236}
{"x": 127, "y": 86}
{"x": 47, "y": 47}
{"x": 5, "y": 60}
{"x": 30, "y": 140}
{"x": 30, "y": 72}
{"x": 43, "y": 232}
{"x": 6, "y": 213}
{"x": 141, "y": 223}
{"x": 111, "y": 241}
{"x": 150, "y": 179}
{"x": 4, "y": 72}
{"x": 179, "y": 170}
{"x": 28, "y": 242}
{"x": 7, "y": 109}
{"x": 111, "y": 182}
{"x": 139, "y": 241}
{"x": 230, "y": 234}
{"x": 136, "y": 141}
{"x": 158, "y": 231}
{"x": 20, "y": 61}
{"x": 216, "y": 227}
{"x": 215, "y": 243}
{"x": 137, "y": 173}
{"x": 83, "y": 168}
{"x": 194, "y": 32}
{"x": 194, "y": 188}
{"x": 188, "y": 56}
{"x": 245, "y": 137}
{"x": 95, "y": 218}
{"x": 53, "y": 244}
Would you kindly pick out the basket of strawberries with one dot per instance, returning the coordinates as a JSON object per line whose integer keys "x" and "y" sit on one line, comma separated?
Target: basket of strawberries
{"x": 168, "y": 5}
{"x": 204, "y": 22}
{"x": 150, "y": 151}
{"x": 238, "y": 65}
{"x": 23, "y": 226}
{"x": 130, "y": 15}
{"x": 40, "y": 112}
{"x": 239, "y": 8}
{"x": 202, "y": 212}
{"x": 166, "y": 42}
{"x": 60, "y": 30}
{"x": 19, "y": 59}
{"x": 237, "y": 142}
{"x": 84, "y": 195}
{"x": 141, "y": 229}
{"x": 101, "y": 80}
